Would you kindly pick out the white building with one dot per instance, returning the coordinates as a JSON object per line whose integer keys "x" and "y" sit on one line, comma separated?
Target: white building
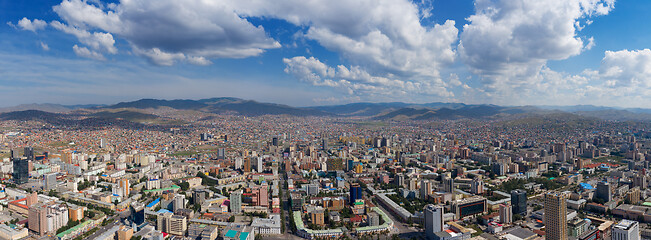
{"x": 626, "y": 230}
{"x": 267, "y": 226}
{"x": 433, "y": 220}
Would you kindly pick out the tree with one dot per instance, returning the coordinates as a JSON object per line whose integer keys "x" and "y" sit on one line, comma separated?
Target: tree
{"x": 184, "y": 186}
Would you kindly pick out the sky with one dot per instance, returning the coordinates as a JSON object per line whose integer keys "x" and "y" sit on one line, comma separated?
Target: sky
{"x": 327, "y": 52}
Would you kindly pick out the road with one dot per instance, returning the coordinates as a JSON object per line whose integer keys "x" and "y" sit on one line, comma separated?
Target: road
{"x": 400, "y": 228}
{"x": 102, "y": 230}
{"x": 115, "y": 220}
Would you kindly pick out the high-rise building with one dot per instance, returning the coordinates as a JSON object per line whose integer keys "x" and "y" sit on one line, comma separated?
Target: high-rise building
{"x": 124, "y": 233}
{"x": 399, "y": 180}
{"x": 640, "y": 180}
{"x": 123, "y": 184}
{"x": 66, "y": 157}
{"x": 604, "y": 192}
{"x": 14, "y": 153}
{"x": 178, "y": 225}
{"x": 259, "y": 166}
{"x": 555, "y": 216}
{"x": 274, "y": 141}
{"x": 137, "y": 212}
{"x": 236, "y": 202}
{"x": 626, "y": 230}
{"x": 506, "y": 213}
{"x": 477, "y": 186}
{"x": 37, "y": 216}
{"x": 199, "y": 196}
{"x": 355, "y": 192}
{"x": 633, "y": 195}
{"x": 178, "y": 202}
{"x": 247, "y": 164}
{"x": 448, "y": 184}
{"x": 433, "y": 220}
{"x": 31, "y": 199}
{"x": 29, "y": 153}
{"x": 75, "y": 213}
{"x": 221, "y": 153}
{"x": 49, "y": 181}
{"x": 324, "y": 144}
{"x": 21, "y": 170}
{"x": 163, "y": 222}
{"x": 373, "y": 219}
{"x": 519, "y": 201}
{"x": 425, "y": 189}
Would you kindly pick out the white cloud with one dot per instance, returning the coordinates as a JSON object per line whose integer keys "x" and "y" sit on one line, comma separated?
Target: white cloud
{"x": 30, "y": 25}
{"x": 508, "y": 42}
{"x": 202, "y": 61}
{"x": 44, "y": 46}
{"x": 86, "y": 53}
{"x": 159, "y": 57}
{"x": 97, "y": 41}
{"x": 384, "y": 36}
{"x": 622, "y": 79}
{"x": 196, "y": 29}
{"x": 356, "y": 81}
{"x": 626, "y": 70}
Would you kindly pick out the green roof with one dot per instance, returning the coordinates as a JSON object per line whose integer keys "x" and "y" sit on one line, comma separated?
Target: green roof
{"x": 162, "y": 189}
{"x": 72, "y": 229}
{"x": 359, "y": 203}
{"x": 384, "y": 216}
{"x": 298, "y": 221}
{"x": 243, "y": 235}
{"x": 231, "y": 234}
{"x": 646, "y": 203}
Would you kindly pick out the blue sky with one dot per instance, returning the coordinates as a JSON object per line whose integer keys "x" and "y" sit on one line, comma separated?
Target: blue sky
{"x": 303, "y": 53}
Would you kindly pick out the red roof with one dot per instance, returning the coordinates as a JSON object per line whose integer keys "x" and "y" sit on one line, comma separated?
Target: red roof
{"x": 15, "y": 202}
{"x": 356, "y": 218}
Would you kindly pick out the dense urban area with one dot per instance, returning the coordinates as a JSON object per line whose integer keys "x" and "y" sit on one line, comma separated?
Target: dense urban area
{"x": 237, "y": 177}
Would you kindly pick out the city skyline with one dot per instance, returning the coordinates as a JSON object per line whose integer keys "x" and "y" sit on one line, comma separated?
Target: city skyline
{"x": 299, "y": 53}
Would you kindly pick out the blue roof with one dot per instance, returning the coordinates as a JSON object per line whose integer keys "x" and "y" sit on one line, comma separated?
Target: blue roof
{"x": 151, "y": 204}
{"x": 230, "y": 234}
{"x": 243, "y": 235}
{"x": 164, "y": 211}
{"x": 586, "y": 186}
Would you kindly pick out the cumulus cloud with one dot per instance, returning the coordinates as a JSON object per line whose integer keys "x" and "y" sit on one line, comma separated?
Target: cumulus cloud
{"x": 29, "y": 25}
{"x": 627, "y": 68}
{"x": 622, "y": 79}
{"x": 383, "y": 36}
{"x": 98, "y": 41}
{"x": 508, "y": 42}
{"x": 166, "y": 30}
{"x": 354, "y": 80}
{"x": 87, "y": 53}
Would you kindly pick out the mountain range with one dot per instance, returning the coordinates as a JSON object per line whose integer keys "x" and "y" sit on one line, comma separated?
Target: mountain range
{"x": 396, "y": 111}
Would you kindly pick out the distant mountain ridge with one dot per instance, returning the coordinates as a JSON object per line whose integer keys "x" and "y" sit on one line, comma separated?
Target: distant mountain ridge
{"x": 220, "y": 105}
{"x": 376, "y": 111}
